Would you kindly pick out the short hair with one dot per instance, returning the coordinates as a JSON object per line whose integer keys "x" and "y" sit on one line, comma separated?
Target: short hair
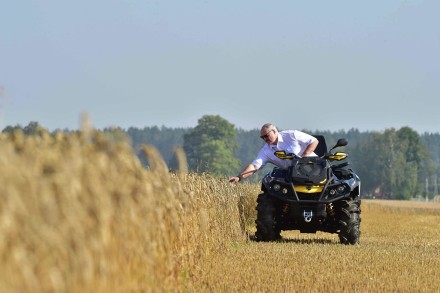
{"x": 268, "y": 126}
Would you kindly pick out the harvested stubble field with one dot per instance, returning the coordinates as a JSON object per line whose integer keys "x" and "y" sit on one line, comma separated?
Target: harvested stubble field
{"x": 78, "y": 213}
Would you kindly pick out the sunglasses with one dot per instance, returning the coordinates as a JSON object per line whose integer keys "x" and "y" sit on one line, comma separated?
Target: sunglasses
{"x": 266, "y": 135}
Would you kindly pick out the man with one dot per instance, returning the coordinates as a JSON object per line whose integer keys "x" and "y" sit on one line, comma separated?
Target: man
{"x": 290, "y": 141}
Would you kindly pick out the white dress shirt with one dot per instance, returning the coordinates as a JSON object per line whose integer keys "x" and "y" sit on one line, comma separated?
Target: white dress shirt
{"x": 290, "y": 141}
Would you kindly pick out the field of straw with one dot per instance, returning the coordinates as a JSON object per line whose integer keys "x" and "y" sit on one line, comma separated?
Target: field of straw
{"x": 78, "y": 213}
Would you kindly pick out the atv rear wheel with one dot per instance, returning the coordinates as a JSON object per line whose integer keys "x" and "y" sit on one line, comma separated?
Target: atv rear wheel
{"x": 266, "y": 221}
{"x": 349, "y": 221}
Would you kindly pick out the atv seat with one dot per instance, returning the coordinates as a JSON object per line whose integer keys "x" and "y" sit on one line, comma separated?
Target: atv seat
{"x": 321, "y": 149}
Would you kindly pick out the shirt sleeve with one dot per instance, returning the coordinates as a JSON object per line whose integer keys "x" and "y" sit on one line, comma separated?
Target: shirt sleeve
{"x": 304, "y": 140}
{"x": 261, "y": 159}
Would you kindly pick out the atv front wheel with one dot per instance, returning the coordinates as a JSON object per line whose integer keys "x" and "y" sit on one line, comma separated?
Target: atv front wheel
{"x": 349, "y": 221}
{"x": 266, "y": 222}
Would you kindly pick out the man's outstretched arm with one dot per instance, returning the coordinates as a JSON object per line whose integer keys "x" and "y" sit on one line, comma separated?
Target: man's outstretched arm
{"x": 248, "y": 171}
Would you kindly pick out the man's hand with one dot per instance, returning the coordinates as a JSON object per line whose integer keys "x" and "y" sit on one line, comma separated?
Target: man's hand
{"x": 248, "y": 171}
{"x": 236, "y": 179}
{"x": 310, "y": 148}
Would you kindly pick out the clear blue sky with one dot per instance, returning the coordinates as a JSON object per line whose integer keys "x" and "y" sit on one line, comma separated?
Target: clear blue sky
{"x": 325, "y": 65}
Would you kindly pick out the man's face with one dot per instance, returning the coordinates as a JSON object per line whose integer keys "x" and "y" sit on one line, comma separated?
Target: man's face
{"x": 268, "y": 135}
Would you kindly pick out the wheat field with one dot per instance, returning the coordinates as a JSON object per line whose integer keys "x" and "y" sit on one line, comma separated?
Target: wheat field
{"x": 78, "y": 213}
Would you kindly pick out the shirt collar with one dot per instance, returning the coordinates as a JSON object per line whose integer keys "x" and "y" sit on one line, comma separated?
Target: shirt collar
{"x": 280, "y": 138}
{"x": 275, "y": 146}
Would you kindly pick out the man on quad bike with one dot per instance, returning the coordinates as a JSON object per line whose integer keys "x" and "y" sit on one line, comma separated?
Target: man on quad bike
{"x": 308, "y": 190}
{"x": 290, "y": 141}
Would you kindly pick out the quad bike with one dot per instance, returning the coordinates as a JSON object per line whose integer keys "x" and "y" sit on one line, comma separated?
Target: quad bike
{"x": 311, "y": 195}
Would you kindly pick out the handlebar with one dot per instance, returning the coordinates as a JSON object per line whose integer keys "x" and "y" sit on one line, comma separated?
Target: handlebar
{"x": 338, "y": 156}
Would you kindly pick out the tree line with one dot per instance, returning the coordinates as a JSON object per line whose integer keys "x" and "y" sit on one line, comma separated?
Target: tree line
{"x": 393, "y": 164}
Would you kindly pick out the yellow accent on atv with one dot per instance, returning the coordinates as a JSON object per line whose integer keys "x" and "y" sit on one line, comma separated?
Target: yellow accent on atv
{"x": 309, "y": 188}
{"x": 337, "y": 156}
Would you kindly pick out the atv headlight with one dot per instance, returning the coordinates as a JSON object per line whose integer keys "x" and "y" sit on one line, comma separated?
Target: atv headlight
{"x": 332, "y": 191}
{"x": 340, "y": 189}
{"x": 276, "y": 187}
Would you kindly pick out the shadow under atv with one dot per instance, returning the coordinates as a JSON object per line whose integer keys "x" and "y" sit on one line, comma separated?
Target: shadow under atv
{"x": 299, "y": 241}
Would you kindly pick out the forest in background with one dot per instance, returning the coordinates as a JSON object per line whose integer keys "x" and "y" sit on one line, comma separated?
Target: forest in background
{"x": 392, "y": 164}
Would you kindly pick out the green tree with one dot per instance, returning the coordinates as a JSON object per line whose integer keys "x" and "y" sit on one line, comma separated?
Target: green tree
{"x": 211, "y": 145}
{"x": 431, "y": 170}
{"x": 33, "y": 128}
{"x": 416, "y": 154}
{"x": 12, "y": 129}
{"x": 412, "y": 146}
{"x": 372, "y": 162}
{"x": 164, "y": 139}
{"x": 392, "y": 162}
